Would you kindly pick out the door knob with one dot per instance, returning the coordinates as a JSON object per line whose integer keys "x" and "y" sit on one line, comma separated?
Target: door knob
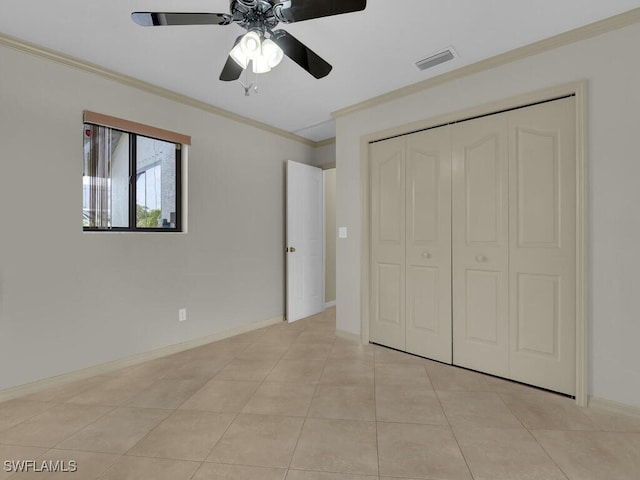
{"x": 426, "y": 255}
{"x": 481, "y": 259}
{"x": 292, "y": 249}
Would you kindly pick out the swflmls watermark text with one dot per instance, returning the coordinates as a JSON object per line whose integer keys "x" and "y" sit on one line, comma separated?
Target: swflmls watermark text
{"x": 51, "y": 466}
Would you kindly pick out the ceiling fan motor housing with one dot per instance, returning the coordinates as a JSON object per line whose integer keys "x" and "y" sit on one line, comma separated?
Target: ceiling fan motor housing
{"x": 255, "y": 14}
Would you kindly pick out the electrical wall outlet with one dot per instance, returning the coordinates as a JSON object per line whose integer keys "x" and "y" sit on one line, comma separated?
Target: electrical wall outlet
{"x": 182, "y": 314}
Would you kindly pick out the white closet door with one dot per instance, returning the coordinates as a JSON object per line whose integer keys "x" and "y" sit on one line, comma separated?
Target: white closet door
{"x": 387, "y": 269}
{"x": 480, "y": 245}
{"x": 542, "y": 245}
{"x": 428, "y": 244}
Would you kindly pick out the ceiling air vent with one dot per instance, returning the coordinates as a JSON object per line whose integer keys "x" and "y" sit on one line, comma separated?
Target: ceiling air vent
{"x": 437, "y": 59}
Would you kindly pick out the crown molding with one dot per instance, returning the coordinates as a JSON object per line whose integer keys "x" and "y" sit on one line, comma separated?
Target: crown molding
{"x": 61, "y": 58}
{"x": 582, "y": 33}
{"x": 324, "y": 143}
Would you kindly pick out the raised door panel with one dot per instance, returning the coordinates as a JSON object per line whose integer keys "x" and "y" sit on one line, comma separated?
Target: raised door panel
{"x": 542, "y": 257}
{"x": 314, "y": 232}
{"x": 428, "y": 244}
{"x": 387, "y": 262}
{"x": 423, "y": 291}
{"x": 423, "y": 182}
{"x": 483, "y": 300}
{"x": 537, "y": 323}
{"x": 483, "y": 191}
{"x": 480, "y": 245}
{"x": 389, "y": 288}
{"x": 538, "y": 190}
{"x": 389, "y": 200}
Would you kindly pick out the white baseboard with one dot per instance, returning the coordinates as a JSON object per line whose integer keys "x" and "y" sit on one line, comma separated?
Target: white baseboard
{"x": 614, "y": 407}
{"x": 353, "y": 337}
{"x": 330, "y": 304}
{"x": 20, "y": 390}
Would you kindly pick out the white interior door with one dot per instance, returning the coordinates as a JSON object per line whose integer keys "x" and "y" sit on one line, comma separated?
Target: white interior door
{"x": 481, "y": 245}
{"x": 305, "y": 241}
{"x": 428, "y": 244}
{"x": 542, "y": 259}
{"x": 387, "y": 267}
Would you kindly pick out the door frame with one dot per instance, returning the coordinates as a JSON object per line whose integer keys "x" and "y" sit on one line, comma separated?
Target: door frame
{"x": 579, "y": 89}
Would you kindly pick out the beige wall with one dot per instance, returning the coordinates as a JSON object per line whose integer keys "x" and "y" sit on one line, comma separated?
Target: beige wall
{"x": 330, "y": 235}
{"x": 325, "y": 156}
{"x": 70, "y": 300}
{"x": 608, "y": 63}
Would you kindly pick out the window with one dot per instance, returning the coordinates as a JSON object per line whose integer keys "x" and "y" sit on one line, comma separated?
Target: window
{"x": 131, "y": 181}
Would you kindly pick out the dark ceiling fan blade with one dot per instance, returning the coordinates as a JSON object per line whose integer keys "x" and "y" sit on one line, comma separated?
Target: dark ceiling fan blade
{"x": 154, "y": 19}
{"x": 301, "y": 54}
{"x": 298, "y": 10}
{"x": 231, "y": 70}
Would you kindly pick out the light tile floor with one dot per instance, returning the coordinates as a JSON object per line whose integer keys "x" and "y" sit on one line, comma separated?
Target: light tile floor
{"x": 294, "y": 402}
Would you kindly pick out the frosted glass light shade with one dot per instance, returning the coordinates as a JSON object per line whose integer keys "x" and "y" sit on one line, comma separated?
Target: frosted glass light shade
{"x": 260, "y": 65}
{"x": 264, "y": 54}
{"x": 272, "y": 53}
{"x": 239, "y": 56}
{"x": 251, "y": 45}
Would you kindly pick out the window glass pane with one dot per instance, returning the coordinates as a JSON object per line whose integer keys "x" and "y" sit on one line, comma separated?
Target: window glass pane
{"x": 105, "y": 180}
{"x": 155, "y": 183}
{"x": 112, "y": 167}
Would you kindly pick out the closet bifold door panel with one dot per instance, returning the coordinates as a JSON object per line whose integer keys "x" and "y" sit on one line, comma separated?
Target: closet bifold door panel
{"x": 428, "y": 244}
{"x": 542, "y": 254}
{"x": 473, "y": 244}
{"x": 387, "y": 268}
{"x": 410, "y": 270}
{"x": 481, "y": 244}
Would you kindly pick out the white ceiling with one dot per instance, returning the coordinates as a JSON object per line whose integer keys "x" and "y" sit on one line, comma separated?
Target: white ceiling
{"x": 372, "y": 52}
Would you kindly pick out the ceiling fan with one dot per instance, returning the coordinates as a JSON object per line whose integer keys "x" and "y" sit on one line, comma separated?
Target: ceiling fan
{"x": 263, "y": 46}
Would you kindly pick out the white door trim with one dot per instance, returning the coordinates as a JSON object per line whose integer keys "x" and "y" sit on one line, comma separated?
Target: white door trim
{"x": 579, "y": 89}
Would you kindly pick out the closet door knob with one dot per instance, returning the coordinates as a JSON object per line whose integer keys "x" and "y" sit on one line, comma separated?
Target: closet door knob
{"x": 481, "y": 259}
{"x": 426, "y": 255}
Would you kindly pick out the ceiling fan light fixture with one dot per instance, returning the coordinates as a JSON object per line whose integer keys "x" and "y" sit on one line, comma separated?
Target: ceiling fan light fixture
{"x": 260, "y": 18}
{"x": 272, "y": 53}
{"x": 239, "y": 56}
{"x": 261, "y": 65}
{"x": 264, "y": 54}
{"x": 251, "y": 45}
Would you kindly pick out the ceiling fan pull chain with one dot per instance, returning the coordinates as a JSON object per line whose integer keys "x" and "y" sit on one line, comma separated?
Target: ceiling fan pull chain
{"x": 246, "y": 85}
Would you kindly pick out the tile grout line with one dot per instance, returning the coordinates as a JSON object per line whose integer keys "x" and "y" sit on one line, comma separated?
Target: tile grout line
{"x": 237, "y": 414}
{"x": 53, "y": 405}
{"x": 254, "y": 393}
{"x": 529, "y": 432}
{"x": 126, "y": 454}
{"x": 375, "y": 409}
{"x": 547, "y": 454}
{"x": 113, "y": 409}
{"x": 306, "y": 416}
{"x": 262, "y": 383}
{"x": 453, "y": 433}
